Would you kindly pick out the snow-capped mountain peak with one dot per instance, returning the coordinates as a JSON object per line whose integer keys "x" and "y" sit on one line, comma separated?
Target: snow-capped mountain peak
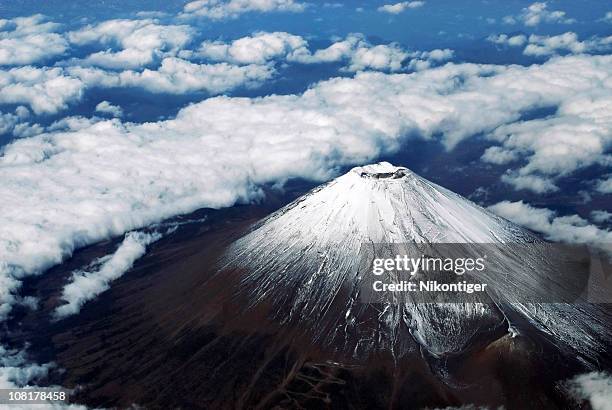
{"x": 305, "y": 261}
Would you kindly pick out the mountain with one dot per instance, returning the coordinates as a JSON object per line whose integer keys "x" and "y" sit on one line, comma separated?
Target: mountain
{"x": 245, "y": 312}
{"x": 305, "y": 260}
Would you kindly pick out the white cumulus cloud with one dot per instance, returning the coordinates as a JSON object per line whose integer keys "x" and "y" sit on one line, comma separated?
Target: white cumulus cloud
{"x": 355, "y": 50}
{"x": 535, "y": 183}
{"x": 177, "y": 76}
{"x": 259, "y": 48}
{"x": 570, "y": 229}
{"x": 499, "y": 155}
{"x": 543, "y": 45}
{"x": 546, "y": 45}
{"x": 140, "y": 42}
{"x": 224, "y": 9}
{"x": 8, "y": 122}
{"x": 397, "y": 8}
{"x": 576, "y": 137}
{"x": 46, "y": 90}
{"x": 359, "y": 54}
{"x": 537, "y": 13}
{"x": 245, "y": 62}
{"x": 49, "y": 90}
{"x": 378, "y": 57}
{"x": 422, "y": 60}
{"x": 504, "y": 39}
{"x": 106, "y": 107}
{"x": 26, "y": 40}
{"x": 566, "y": 42}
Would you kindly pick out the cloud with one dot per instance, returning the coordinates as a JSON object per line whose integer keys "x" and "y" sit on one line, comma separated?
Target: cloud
{"x": 499, "y": 156}
{"x": 107, "y": 108}
{"x": 16, "y": 372}
{"x": 259, "y": 48}
{"x": 359, "y": 54}
{"x": 535, "y": 183}
{"x": 594, "y": 387}
{"x": 355, "y": 50}
{"x": 379, "y": 57}
{"x": 46, "y": 90}
{"x": 7, "y": 122}
{"x": 86, "y": 285}
{"x": 544, "y": 46}
{"x": 569, "y": 229}
{"x": 245, "y": 62}
{"x": 576, "y": 137}
{"x": 25, "y": 129}
{"x": 422, "y": 60}
{"x": 26, "y": 40}
{"x": 141, "y": 42}
{"x": 608, "y": 17}
{"x": 89, "y": 180}
{"x": 510, "y": 20}
{"x": 49, "y": 90}
{"x": 397, "y": 8}
{"x": 177, "y": 76}
{"x": 227, "y": 9}
{"x": 504, "y": 39}
{"x": 568, "y": 42}
{"x": 537, "y": 13}
{"x": 601, "y": 216}
{"x": 605, "y": 185}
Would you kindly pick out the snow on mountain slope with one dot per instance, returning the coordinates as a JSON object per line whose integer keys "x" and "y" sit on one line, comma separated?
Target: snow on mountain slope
{"x": 304, "y": 260}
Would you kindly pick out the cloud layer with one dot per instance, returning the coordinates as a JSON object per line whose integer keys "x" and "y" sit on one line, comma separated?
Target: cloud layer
{"x": 50, "y": 90}
{"x": 576, "y": 137}
{"x": 148, "y": 55}
{"x": 69, "y": 188}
